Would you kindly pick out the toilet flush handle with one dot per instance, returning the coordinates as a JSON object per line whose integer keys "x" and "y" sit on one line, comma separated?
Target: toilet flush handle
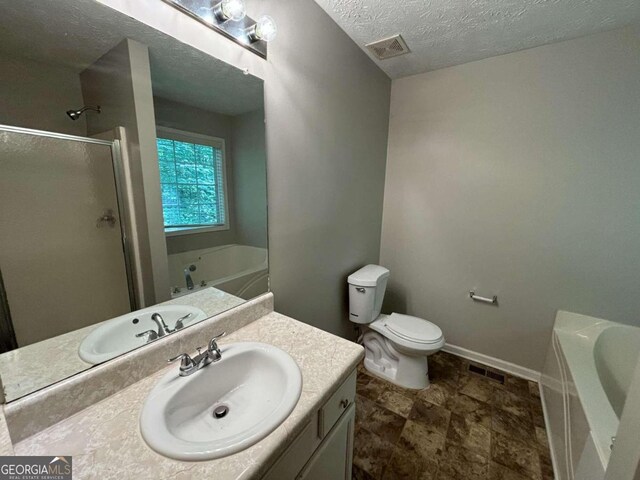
{"x": 360, "y": 289}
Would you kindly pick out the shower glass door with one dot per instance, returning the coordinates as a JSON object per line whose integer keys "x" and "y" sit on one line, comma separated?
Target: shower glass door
{"x": 62, "y": 253}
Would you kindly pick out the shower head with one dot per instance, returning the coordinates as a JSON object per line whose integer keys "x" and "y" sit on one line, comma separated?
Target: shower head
{"x": 76, "y": 114}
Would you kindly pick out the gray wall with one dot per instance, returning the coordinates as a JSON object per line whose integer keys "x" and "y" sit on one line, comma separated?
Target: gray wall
{"x": 35, "y": 95}
{"x": 518, "y": 176}
{"x": 327, "y": 110}
{"x": 250, "y": 178}
{"x": 175, "y": 115}
{"x": 120, "y": 81}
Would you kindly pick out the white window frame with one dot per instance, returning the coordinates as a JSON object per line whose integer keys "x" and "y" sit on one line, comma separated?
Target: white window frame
{"x": 215, "y": 142}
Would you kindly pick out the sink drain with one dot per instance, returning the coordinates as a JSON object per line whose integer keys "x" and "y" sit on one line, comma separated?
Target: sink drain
{"x": 220, "y": 411}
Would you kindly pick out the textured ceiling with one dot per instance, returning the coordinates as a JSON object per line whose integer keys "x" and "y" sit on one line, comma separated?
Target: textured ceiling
{"x": 442, "y": 33}
{"x": 75, "y": 33}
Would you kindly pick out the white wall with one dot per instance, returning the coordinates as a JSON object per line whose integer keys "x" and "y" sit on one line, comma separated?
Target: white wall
{"x": 327, "y": 110}
{"x": 519, "y": 176}
{"x": 36, "y": 95}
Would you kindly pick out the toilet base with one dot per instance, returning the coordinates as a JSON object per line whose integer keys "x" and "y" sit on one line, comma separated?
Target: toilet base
{"x": 385, "y": 361}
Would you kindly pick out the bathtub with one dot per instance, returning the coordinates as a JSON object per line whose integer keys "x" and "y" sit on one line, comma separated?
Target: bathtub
{"x": 586, "y": 377}
{"x": 240, "y": 270}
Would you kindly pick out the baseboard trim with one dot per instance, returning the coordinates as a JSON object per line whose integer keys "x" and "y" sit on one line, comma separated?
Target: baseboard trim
{"x": 512, "y": 368}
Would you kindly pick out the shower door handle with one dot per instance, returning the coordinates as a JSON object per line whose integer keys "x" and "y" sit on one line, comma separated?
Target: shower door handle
{"x": 108, "y": 218}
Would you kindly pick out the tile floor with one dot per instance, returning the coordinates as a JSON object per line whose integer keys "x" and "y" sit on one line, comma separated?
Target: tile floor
{"x": 464, "y": 426}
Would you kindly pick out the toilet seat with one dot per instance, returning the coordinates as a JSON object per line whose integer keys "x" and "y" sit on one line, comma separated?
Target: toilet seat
{"x": 410, "y": 329}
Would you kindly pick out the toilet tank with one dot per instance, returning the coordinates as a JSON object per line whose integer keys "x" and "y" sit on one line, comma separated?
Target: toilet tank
{"x": 366, "y": 291}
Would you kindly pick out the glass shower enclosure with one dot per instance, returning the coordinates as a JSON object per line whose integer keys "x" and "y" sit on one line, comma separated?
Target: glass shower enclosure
{"x": 64, "y": 259}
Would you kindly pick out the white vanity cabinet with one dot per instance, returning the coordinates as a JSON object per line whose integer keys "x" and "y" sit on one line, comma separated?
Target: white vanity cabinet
{"x": 324, "y": 449}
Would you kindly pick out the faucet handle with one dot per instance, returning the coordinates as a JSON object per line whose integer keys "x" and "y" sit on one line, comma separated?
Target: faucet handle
{"x": 213, "y": 343}
{"x": 179, "y": 323}
{"x": 186, "y": 362}
{"x": 214, "y": 350}
{"x": 152, "y": 335}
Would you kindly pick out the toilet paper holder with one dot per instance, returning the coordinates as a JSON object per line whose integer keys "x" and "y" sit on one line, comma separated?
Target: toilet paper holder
{"x": 477, "y": 298}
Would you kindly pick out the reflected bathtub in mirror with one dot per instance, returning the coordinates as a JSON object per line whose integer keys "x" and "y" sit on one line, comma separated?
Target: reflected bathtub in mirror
{"x": 238, "y": 269}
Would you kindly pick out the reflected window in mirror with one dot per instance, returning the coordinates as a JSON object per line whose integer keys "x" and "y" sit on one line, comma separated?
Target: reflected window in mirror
{"x": 192, "y": 176}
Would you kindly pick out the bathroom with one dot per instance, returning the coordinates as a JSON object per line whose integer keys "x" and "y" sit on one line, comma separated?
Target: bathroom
{"x": 369, "y": 256}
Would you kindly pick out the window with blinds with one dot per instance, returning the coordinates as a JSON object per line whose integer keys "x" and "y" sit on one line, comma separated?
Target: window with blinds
{"x": 192, "y": 177}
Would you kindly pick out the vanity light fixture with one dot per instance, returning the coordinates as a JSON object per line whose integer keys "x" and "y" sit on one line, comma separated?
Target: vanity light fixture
{"x": 264, "y": 29}
{"x": 229, "y": 18}
{"x": 233, "y": 10}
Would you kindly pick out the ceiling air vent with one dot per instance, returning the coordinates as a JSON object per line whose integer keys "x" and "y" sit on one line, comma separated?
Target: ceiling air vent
{"x": 388, "y": 47}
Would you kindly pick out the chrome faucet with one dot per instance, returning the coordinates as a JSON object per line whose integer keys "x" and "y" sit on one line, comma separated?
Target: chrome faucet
{"x": 190, "y": 365}
{"x": 187, "y": 276}
{"x": 163, "y": 329}
{"x": 152, "y": 335}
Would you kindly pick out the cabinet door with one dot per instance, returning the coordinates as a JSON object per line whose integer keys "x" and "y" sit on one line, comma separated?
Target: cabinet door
{"x": 293, "y": 460}
{"x": 332, "y": 460}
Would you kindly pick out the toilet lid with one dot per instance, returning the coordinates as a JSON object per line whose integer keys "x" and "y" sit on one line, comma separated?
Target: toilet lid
{"x": 413, "y": 329}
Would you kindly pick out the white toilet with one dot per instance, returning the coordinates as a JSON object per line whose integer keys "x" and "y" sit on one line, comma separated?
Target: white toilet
{"x": 396, "y": 345}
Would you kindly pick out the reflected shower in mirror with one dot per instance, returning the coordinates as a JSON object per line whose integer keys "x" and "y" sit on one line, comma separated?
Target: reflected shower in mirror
{"x": 132, "y": 189}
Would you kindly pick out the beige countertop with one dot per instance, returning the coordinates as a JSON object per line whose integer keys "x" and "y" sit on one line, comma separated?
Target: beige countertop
{"x": 105, "y": 439}
{"x": 36, "y": 366}
{"x": 6, "y": 448}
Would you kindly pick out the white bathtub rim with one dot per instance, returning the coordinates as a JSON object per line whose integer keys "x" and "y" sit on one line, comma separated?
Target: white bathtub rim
{"x": 577, "y": 335}
{"x": 600, "y": 415}
{"x": 578, "y": 324}
{"x": 255, "y": 279}
{"x": 248, "y": 271}
{"x": 219, "y": 281}
{"x": 545, "y": 414}
{"x": 194, "y": 256}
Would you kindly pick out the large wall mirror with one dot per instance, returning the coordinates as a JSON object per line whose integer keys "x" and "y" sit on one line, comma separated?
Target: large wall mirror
{"x": 132, "y": 188}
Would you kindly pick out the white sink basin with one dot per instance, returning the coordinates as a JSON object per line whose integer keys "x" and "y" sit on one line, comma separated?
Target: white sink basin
{"x": 118, "y": 335}
{"x": 258, "y": 383}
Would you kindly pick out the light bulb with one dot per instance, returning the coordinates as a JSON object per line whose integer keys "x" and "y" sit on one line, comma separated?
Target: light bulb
{"x": 265, "y": 29}
{"x": 231, "y": 10}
